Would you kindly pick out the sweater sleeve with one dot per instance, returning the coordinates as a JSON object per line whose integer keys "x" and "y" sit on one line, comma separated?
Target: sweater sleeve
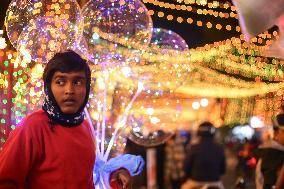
{"x": 17, "y": 158}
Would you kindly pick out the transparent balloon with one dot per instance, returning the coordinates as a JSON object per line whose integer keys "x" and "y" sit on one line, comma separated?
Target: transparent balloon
{"x": 43, "y": 37}
{"x": 147, "y": 123}
{"x": 21, "y": 12}
{"x": 165, "y": 76}
{"x": 112, "y": 25}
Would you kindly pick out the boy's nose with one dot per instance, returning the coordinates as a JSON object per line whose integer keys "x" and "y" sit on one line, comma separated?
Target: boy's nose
{"x": 69, "y": 89}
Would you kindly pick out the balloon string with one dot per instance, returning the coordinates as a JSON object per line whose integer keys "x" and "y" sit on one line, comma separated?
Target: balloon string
{"x": 98, "y": 130}
{"x": 122, "y": 121}
{"x": 104, "y": 114}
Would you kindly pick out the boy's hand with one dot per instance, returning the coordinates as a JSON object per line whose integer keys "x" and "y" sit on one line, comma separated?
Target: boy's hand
{"x": 120, "y": 179}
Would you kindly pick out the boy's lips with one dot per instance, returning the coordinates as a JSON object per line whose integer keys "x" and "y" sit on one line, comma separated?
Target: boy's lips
{"x": 69, "y": 102}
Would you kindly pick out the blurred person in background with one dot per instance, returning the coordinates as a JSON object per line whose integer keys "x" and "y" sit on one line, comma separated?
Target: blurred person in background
{"x": 205, "y": 161}
{"x": 271, "y": 156}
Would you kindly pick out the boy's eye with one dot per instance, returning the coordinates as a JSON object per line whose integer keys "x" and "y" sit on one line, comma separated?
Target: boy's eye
{"x": 78, "y": 82}
{"x": 60, "y": 81}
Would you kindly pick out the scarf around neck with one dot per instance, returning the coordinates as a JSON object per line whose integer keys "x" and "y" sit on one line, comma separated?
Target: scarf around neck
{"x": 56, "y": 116}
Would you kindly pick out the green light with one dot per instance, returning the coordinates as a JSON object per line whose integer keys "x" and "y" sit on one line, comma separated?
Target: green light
{"x": 2, "y": 140}
{"x": 6, "y": 72}
{"x": 13, "y": 100}
{"x": 4, "y": 111}
{"x": 17, "y": 113}
{"x": 15, "y": 74}
{"x": 20, "y": 80}
{"x": 20, "y": 72}
{"x": 3, "y": 121}
{"x": 13, "y": 127}
{"x": 5, "y": 101}
{"x": 25, "y": 77}
{"x": 6, "y": 63}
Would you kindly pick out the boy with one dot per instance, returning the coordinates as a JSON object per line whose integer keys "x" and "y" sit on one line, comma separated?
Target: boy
{"x": 52, "y": 148}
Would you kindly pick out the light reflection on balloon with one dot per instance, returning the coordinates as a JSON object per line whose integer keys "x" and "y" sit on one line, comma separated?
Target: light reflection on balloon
{"x": 173, "y": 74}
{"x": 107, "y": 107}
{"x": 147, "y": 123}
{"x": 111, "y": 24}
{"x": 21, "y": 12}
{"x": 52, "y": 35}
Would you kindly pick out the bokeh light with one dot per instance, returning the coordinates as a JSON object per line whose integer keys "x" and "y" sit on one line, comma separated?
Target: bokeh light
{"x": 52, "y": 35}
{"x": 21, "y": 12}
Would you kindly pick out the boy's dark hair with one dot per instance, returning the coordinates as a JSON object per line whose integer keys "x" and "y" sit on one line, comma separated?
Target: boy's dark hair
{"x": 206, "y": 129}
{"x": 66, "y": 62}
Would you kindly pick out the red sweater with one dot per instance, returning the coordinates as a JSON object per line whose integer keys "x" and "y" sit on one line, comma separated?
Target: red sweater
{"x": 35, "y": 157}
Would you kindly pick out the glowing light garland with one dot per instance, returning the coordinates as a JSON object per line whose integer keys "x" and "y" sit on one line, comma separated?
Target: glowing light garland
{"x": 193, "y": 9}
{"x": 214, "y": 4}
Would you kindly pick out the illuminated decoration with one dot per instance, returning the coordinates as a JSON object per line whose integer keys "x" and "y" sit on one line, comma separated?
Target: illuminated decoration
{"x": 269, "y": 105}
{"x": 178, "y": 7}
{"x": 29, "y": 93}
{"x": 239, "y": 111}
{"x": 21, "y": 12}
{"x": 3, "y": 43}
{"x": 8, "y": 76}
{"x": 189, "y": 20}
{"x": 3, "y": 81}
{"x": 108, "y": 25}
{"x": 211, "y": 4}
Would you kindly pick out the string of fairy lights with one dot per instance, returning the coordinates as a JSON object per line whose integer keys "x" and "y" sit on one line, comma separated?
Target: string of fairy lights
{"x": 204, "y": 3}
{"x": 187, "y": 8}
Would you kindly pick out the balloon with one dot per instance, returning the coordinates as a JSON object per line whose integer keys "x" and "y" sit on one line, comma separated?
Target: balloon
{"x": 166, "y": 42}
{"x": 21, "y": 12}
{"x": 147, "y": 123}
{"x": 43, "y": 37}
{"x": 109, "y": 25}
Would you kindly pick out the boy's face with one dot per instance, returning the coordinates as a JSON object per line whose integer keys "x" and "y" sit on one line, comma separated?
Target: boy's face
{"x": 69, "y": 90}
